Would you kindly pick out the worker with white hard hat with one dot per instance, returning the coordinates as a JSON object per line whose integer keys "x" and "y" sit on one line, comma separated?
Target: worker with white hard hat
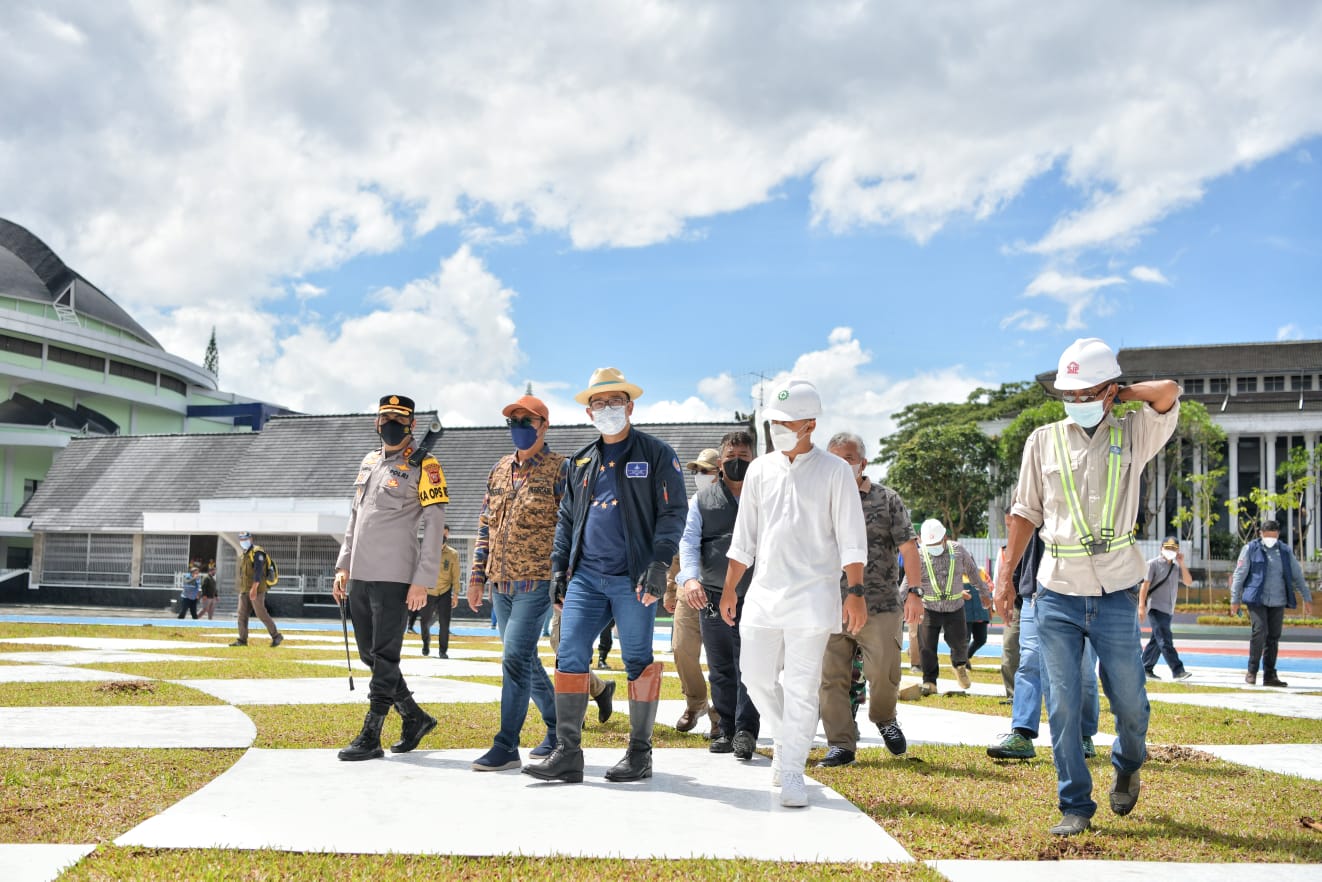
{"x": 944, "y": 565}
{"x": 800, "y": 518}
{"x": 1079, "y": 487}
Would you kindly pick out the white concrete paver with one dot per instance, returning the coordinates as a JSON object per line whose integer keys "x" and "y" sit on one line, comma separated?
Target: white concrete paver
{"x": 99, "y": 657}
{"x": 1304, "y": 760}
{"x": 1281, "y": 704}
{"x": 335, "y": 690}
{"x": 108, "y": 643}
{"x": 729, "y": 808}
{"x": 39, "y": 863}
{"x": 1108, "y": 871}
{"x": 125, "y": 726}
{"x": 423, "y": 667}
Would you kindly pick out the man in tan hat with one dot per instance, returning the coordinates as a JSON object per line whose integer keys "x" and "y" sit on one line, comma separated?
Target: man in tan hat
{"x": 385, "y": 571}
{"x": 618, "y": 530}
{"x": 686, "y": 633}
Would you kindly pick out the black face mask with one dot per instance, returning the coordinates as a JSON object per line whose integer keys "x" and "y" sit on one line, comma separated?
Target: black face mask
{"x": 734, "y": 469}
{"x": 393, "y": 433}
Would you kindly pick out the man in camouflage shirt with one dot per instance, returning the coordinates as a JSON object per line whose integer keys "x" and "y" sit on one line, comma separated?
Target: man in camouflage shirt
{"x": 890, "y": 530}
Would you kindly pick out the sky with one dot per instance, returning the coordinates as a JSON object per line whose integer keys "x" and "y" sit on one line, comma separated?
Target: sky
{"x": 898, "y": 201}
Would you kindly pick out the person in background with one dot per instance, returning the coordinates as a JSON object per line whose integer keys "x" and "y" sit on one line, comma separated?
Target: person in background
{"x": 209, "y": 593}
{"x": 1156, "y": 602}
{"x": 192, "y": 590}
{"x": 1266, "y": 577}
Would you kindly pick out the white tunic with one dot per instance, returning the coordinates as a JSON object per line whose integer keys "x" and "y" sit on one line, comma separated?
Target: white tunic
{"x": 802, "y": 522}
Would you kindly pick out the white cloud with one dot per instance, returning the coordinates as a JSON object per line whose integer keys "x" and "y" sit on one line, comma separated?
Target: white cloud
{"x": 1077, "y": 293}
{"x": 1025, "y": 320}
{"x": 244, "y": 158}
{"x": 307, "y": 291}
{"x": 1289, "y": 332}
{"x": 1149, "y": 274}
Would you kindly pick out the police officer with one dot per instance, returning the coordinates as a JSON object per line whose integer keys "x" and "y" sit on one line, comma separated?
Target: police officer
{"x": 388, "y": 572}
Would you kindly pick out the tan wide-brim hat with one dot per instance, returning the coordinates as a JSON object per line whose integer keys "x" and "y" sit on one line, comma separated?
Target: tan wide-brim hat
{"x": 608, "y": 379}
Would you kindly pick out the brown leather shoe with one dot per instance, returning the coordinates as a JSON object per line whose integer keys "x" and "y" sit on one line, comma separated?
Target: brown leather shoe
{"x": 689, "y": 719}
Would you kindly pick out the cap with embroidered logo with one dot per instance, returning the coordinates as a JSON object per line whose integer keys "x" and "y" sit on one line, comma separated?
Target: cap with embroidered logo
{"x": 396, "y": 404}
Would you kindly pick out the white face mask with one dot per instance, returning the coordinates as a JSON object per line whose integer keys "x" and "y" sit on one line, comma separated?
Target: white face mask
{"x": 701, "y": 481}
{"x": 1269, "y": 541}
{"x": 858, "y": 470}
{"x": 245, "y": 544}
{"x": 1086, "y": 415}
{"x": 610, "y": 420}
{"x": 783, "y": 438}
{"x": 936, "y": 550}
{"x": 1168, "y": 554}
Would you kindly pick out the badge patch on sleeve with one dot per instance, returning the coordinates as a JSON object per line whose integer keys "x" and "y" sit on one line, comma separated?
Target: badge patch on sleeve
{"x": 635, "y": 469}
{"x": 431, "y": 484}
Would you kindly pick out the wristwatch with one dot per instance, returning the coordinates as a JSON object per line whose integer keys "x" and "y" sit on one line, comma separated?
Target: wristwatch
{"x": 854, "y": 590}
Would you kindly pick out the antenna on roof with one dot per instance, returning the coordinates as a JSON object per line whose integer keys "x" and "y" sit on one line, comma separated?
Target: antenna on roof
{"x": 528, "y": 390}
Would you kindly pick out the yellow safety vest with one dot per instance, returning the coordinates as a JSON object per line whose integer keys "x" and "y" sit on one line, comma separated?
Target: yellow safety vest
{"x": 940, "y": 595}
{"x": 1105, "y": 539}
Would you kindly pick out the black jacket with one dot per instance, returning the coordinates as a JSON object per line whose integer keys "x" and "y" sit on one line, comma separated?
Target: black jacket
{"x": 654, "y": 503}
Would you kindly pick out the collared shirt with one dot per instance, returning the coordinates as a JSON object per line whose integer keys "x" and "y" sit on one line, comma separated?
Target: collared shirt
{"x": 1163, "y": 580}
{"x": 956, "y": 556}
{"x": 448, "y": 578}
{"x": 1040, "y": 496}
{"x": 889, "y": 526}
{"x": 1274, "y": 592}
{"x": 802, "y": 522}
{"x": 381, "y": 539}
{"x": 521, "y": 525}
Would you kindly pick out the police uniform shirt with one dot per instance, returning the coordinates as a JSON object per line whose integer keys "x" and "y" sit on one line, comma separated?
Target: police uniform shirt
{"x": 390, "y": 498}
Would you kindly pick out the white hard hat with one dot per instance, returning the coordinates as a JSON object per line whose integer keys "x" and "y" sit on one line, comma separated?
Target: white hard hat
{"x": 932, "y": 531}
{"x": 1085, "y": 363}
{"x": 794, "y": 399}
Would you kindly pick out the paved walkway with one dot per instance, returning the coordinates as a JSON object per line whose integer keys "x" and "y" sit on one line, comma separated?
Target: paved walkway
{"x": 438, "y": 792}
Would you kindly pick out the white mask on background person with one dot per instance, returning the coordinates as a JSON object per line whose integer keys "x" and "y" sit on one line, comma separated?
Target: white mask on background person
{"x": 1269, "y": 541}
{"x": 610, "y": 420}
{"x": 1168, "y": 554}
{"x": 858, "y": 470}
{"x": 936, "y": 550}
{"x": 701, "y": 481}
{"x": 245, "y": 544}
{"x": 783, "y": 438}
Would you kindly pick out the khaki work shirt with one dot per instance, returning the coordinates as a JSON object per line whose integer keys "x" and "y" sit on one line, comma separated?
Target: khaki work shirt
{"x": 448, "y": 580}
{"x": 390, "y": 500}
{"x": 1040, "y": 497}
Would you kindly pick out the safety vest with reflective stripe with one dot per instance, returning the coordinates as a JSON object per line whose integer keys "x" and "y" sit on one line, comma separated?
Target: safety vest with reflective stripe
{"x": 1105, "y": 539}
{"x": 940, "y": 595}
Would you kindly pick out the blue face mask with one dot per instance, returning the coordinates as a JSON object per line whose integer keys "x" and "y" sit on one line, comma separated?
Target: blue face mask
{"x": 1086, "y": 415}
{"x": 524, "y": 437}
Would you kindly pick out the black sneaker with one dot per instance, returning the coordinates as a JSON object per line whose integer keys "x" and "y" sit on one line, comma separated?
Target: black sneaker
{"x": 277, "y": 640}
{"x": 1151, "y": 674}
{"x": 239, "y": 643}
{"x": 744, "y": 744}
{"x": 836, "y": 756}
{"x": 896, "y": 743}
{"x": 721, "y": 744}
{"x": 1273, "y": 680}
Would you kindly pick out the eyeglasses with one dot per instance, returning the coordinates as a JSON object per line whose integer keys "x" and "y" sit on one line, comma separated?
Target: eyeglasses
{"x": 602, "y": 404}
{"x": 1086, "y": 396}
{"x": 524, "y": 422}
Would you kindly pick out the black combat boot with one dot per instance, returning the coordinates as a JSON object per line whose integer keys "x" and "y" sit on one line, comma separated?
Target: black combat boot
{"x": 417, "y": 723}
{"x": 368, "y": 743}
{"x": 643, "y": 696}
{"x": 566, "y": 761}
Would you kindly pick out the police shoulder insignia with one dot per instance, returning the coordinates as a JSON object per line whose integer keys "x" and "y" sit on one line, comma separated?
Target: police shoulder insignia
{"x": 431, "y": 483}
{"x": 675, "y": 462}
{"x": 371, "y": 459}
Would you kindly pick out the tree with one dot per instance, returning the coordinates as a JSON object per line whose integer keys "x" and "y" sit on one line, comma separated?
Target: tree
{"x": 946, "y": 471}
{"x": 981, "y": 404}
{"x": 1011, "y": 442}
{"x": 1194, "y": 430}
{"x": 211, "y": 361}
{"x": 1202, "y": 508}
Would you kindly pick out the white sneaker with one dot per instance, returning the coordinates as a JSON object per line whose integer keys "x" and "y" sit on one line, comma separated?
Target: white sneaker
{"x": 793, "y": 793}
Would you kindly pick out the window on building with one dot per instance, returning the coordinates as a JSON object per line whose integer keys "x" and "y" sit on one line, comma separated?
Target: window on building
{"x": 133, "y": 372}
{"x": 1273, "y": 384}
{"x": 1301, "y": 383}
{"x": 174, "y": 384}
{"x": 1246, "y": 384}
{"x": 77, "y": 359}
{"x": 1218, "y": 386}
{"x": 30, "y": 486}
{"x": 20, "y": 346}
{"x": 1193, "y": 387}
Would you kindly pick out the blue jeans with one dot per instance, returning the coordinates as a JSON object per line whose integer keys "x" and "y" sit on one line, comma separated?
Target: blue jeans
{"x": 519, "y": 619}
{"x": 1110, "y": 623}
{"x": 591, "y": 601}
{"x": 1161, "y": 643}
{"x": 1029, "y": 688}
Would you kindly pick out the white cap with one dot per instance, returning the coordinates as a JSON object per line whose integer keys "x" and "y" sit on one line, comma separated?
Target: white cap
{"x": 1085, "y": 363}
{"x": 792, "y": 400}
{"x": 932, "y": 531}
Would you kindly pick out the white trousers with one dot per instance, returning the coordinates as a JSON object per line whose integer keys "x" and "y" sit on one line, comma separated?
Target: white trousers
{"x": 782, "y": 670}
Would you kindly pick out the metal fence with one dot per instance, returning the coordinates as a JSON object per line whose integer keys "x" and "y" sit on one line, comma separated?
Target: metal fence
{"x": 87, "y": 559}
{"x": 162, "y": 559}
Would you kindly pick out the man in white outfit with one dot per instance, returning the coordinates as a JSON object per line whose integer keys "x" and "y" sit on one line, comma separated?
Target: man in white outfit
{"x": 801, "y": 519}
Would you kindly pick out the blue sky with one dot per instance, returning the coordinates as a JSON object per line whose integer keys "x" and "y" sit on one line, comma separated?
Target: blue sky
{"x": 899, "y": 202}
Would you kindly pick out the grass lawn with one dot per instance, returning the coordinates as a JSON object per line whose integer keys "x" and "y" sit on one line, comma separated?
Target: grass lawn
{"x": 941, "y": 802}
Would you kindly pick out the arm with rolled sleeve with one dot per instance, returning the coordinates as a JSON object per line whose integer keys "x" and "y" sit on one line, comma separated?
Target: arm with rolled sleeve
{"x": 690, "y": 546}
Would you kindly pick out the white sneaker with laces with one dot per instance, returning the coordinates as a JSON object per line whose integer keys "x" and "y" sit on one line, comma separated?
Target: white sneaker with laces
{"x": 793, "y": 793}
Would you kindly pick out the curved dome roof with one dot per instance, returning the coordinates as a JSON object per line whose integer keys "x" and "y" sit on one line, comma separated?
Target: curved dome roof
{"x": 31, "y": 271}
